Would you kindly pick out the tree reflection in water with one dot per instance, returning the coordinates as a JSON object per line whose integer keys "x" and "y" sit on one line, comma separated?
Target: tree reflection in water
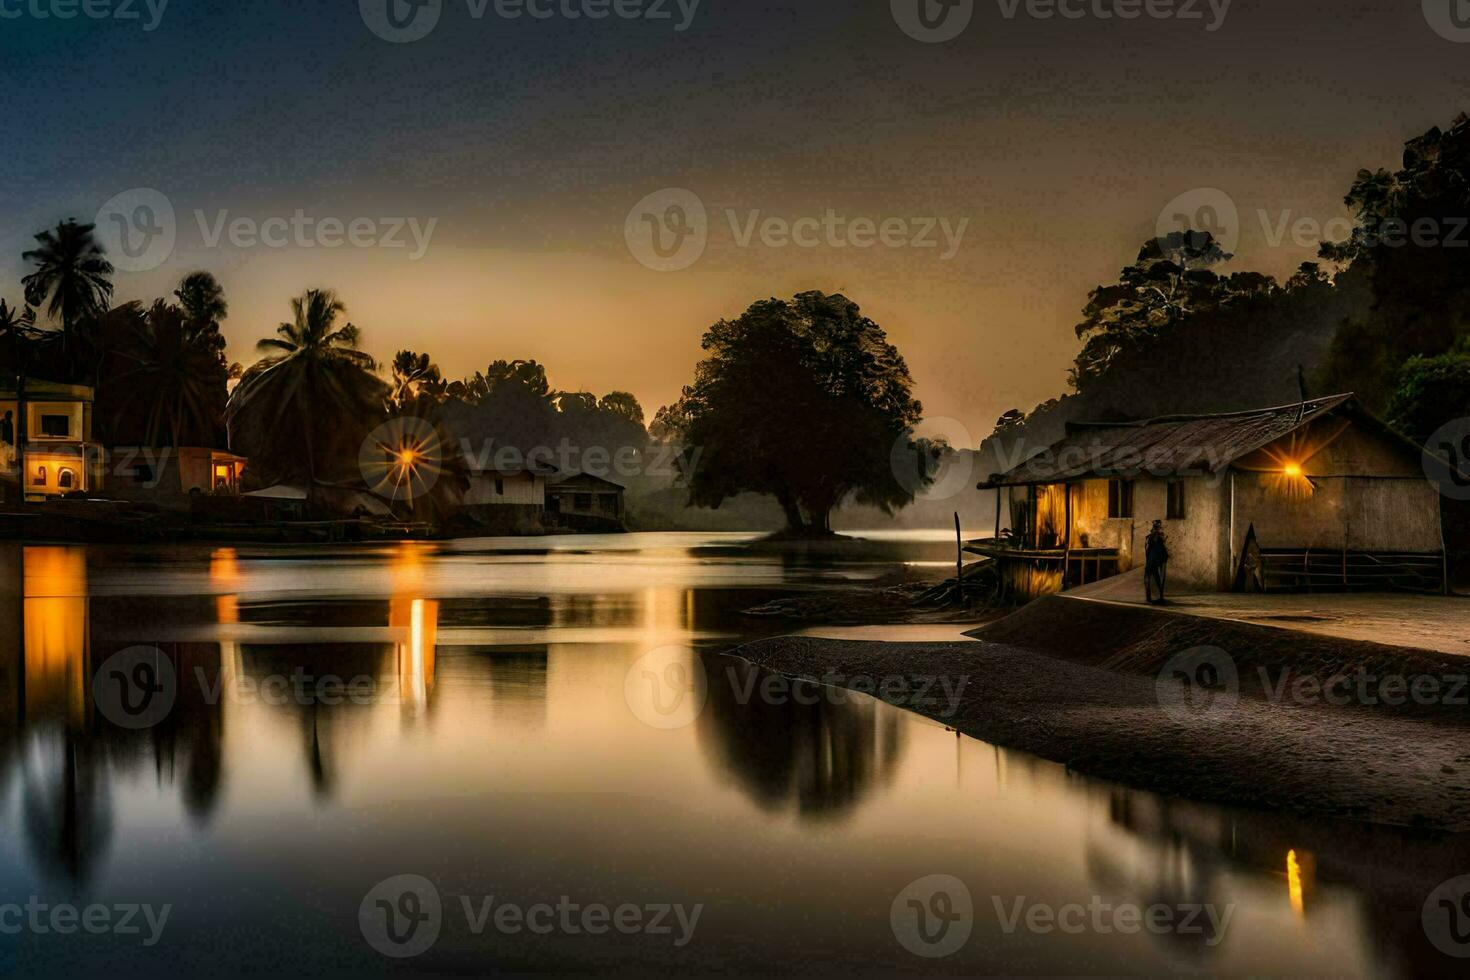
{"x": 820, "y": 758}
{"x": 1176, "y": 851}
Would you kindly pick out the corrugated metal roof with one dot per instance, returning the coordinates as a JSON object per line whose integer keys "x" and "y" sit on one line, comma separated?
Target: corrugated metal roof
{"x": 1167, "y": 446}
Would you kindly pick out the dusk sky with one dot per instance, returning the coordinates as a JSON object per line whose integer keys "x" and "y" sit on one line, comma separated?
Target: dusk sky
{"x": 1054, "y": 143}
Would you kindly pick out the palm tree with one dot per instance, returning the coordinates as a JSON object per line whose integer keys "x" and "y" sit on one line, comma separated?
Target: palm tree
{"x": 17, "y": 338}
{"x": 170, "y": 378}
{"x": 71, "y": 278}
{"x": 301, "y": 405}
{"x": 202, "y": 299}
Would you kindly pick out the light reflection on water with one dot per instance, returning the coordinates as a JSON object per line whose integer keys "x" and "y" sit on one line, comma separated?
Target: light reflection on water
{"x": 501, "y": 757}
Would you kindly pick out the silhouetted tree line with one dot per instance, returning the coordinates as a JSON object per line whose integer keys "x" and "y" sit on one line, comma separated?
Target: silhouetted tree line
{"x": 1383, "y": 314}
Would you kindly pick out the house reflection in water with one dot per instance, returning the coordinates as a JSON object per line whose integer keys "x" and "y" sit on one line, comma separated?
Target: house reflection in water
{"x": 44, "y": 648}
{"x": 54, "y": 635}
{"x": 414, "y": 622}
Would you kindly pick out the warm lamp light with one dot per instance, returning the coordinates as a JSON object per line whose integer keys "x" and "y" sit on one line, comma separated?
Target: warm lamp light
{"x": 1293, "y": 470}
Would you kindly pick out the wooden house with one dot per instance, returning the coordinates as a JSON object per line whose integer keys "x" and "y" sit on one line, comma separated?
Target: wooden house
{"x": 582, "y": 500}
{"x": 1317, "y": 495}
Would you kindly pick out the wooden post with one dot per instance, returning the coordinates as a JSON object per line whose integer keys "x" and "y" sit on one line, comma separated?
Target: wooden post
{"x": 996, "y": 540}
{"x": 1067, "y": 536}
{"x": 959, "y": 558}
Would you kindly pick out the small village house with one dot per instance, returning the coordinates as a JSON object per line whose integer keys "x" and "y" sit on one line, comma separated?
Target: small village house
{"x": 585, "y": 501}
{"x": 50, "y": 452}
{"x": 1317, "y": 495}
{"x": 172, "y": 477}
{"x": 505, "y": 499}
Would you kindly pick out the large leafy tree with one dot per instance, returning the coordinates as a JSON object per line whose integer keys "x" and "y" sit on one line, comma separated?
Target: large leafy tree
{"x": 1172, "y": 279}
{"x": 623, "y": 405}
{"x": 803, "y": 400}
{"x": 302, "y": 411}
{"x": 1431, "y": 391}
{"x": 72, "y": 282}
{"x": 1411, "y": 241}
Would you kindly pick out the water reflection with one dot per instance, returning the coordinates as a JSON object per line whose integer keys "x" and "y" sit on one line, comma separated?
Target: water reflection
{"x": 814, "y": 752}
{"x": 497, "y": 707}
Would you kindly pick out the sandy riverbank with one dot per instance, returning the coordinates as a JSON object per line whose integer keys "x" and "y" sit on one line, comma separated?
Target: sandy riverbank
{"x": 1090, "y": 701}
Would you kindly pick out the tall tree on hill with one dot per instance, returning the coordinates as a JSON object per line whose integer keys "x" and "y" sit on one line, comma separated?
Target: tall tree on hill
{"x": 803, "y": 400}
{"x": 1172, "y": 279}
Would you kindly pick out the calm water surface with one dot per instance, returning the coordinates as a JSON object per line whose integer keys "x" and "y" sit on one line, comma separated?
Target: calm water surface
{"x": 504, "y": 751}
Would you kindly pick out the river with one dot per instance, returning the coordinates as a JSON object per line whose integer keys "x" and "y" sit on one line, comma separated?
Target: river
{"x": 468, "y": 747}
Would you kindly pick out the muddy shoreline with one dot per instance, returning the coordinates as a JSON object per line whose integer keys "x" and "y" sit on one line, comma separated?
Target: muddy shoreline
{"x": 1057, "y": 681}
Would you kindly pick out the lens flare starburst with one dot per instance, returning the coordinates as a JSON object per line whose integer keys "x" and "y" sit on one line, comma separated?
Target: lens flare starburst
{"x": 402, "y": 459}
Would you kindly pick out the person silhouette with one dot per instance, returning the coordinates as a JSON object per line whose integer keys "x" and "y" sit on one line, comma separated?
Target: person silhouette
{"x": 7, "y": 429}
{"x": 1155, "y": 561}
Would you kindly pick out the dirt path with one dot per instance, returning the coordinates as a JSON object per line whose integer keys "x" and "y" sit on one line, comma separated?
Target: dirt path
{"x": 1343, "y": 762}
